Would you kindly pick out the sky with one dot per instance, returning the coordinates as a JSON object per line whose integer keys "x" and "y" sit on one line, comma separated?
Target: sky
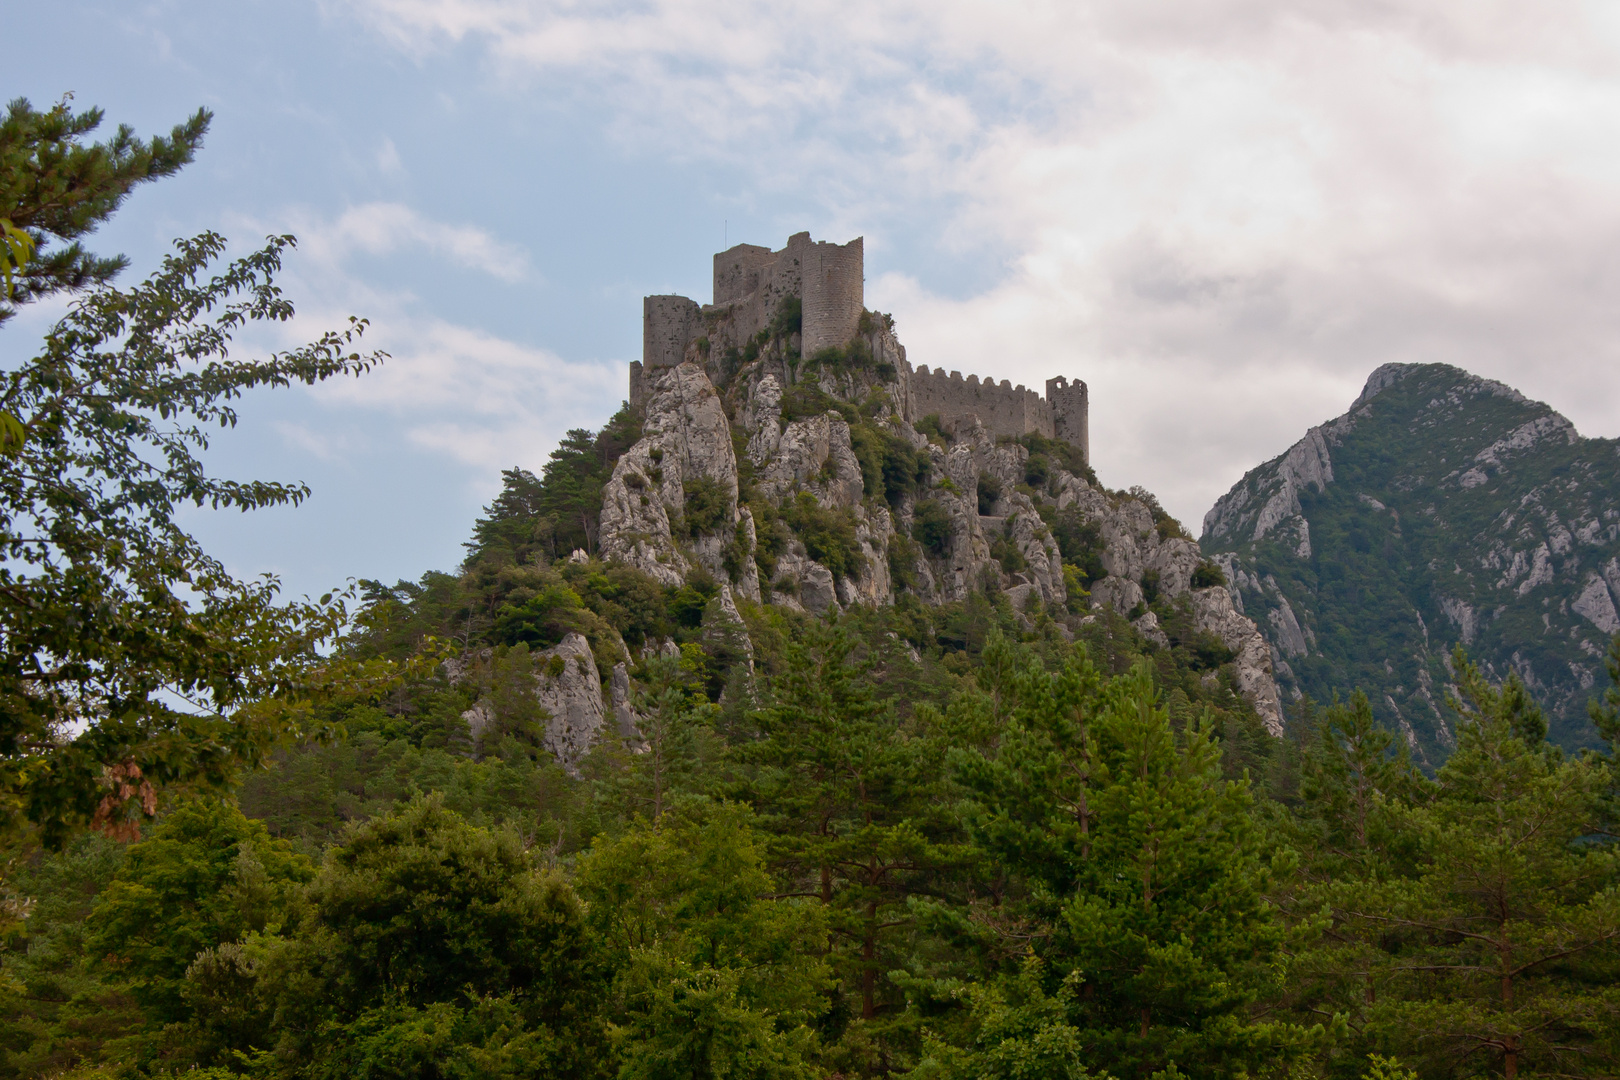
{"x": 1221, "y": 214}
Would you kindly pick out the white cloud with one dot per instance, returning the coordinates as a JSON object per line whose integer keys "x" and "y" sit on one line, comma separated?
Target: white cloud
{"x": 385, "y": 228}
{"x": 480, "y": 399}
{"x": 1222, "y": 215}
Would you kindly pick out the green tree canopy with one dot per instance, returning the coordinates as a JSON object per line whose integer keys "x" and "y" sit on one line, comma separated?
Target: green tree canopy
{"x": 127, "y": 653}
{"x": 436, "y": 948}
{"x": 1498, "y": 951}
{"x": 1143, "y": 875}
{"x": 206, "y": 876}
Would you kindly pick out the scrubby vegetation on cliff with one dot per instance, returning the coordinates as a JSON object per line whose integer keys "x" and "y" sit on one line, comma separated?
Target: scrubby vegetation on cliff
{"x": 1440, "y": 509}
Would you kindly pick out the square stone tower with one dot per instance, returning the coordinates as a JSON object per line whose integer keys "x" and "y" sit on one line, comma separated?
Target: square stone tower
{"x": 834, "y": 294}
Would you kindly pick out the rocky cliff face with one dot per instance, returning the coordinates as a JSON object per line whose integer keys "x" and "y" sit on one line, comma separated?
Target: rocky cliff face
{"x": 1440, "y": 509}
{"x": 797, "y": 483}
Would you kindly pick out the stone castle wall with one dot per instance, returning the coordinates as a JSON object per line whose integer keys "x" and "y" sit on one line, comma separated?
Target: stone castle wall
{"x": 834, "y": 294}
{"x": 750, "y": 284}
{"x": 668, "y": 325}
{"x": 1004, "y": 409}
{"x": 1071, "y": 413}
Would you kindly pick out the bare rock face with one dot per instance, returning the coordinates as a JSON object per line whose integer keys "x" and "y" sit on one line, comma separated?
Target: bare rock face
{"x": 647, "y": 520}
{"x": 478, "y": 719}
{"x": 1175, "y": 560}
{"x": 1148, "y": 626}
{"x": 1119, "y": 593}
{"x": 1044, "y": 562}
{"x": 872, "y": 586}
{"x": 623, "y": 714}
{"x": 761, "y": 417}
{"x": 686, "y": 438}
{"x": 1133, "y": 549}
{"x": 636, "y": 504}
{"x": 816, "y": 592}
{"x": 1213, "y": 611}
{"x": 571, "y": 692}
{"x": 813, "y": 454}
{"x": 968, "y": 550}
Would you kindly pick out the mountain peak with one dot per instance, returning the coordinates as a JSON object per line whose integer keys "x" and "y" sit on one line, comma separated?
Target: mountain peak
{"x": 1442, "y": 508}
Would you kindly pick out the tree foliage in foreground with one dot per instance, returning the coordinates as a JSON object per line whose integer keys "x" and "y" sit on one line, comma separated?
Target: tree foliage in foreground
{"x": 1052, "y": 876}
{"x": 128, "y": 656}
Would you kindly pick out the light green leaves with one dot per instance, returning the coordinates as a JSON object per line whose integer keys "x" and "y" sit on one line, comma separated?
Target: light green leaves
{"x": 16, "y": 248}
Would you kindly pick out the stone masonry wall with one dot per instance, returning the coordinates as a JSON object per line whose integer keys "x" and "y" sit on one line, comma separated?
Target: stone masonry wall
{"x": 1004, "y": 409}
{"x": 737, "y": 271}
{"x": 834, "y": 294}
{"x": 668, "y": 324}
{"x": 1071, "y": 413}
{"x": 750, "y": 284}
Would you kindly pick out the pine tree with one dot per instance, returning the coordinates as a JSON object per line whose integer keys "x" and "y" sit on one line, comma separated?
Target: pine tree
{"x": 855, "y": 802}
{"x": 716, "y": 975}
{"x": 1144, "y": 878}
{"x": 1499, "y": 951}
{"x": 54, "y": 186}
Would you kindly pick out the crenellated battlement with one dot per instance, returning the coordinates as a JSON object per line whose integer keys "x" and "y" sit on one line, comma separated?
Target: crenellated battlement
{"x": 1003, "y": 409}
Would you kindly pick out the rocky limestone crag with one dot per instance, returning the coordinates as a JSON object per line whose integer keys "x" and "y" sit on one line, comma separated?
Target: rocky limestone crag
{"x": 687, "y": 438}
{"x": 1441, "y": 509}
{"x": 700, "y": 408}
{"x": 569, "y": 687}
{"x": 1134, "y": 551}
{"x": 755, "y": 474}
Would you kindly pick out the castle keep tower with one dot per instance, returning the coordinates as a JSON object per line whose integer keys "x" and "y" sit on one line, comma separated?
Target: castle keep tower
{"x": 752, "y": 282}
{"x": 834, "y": 293}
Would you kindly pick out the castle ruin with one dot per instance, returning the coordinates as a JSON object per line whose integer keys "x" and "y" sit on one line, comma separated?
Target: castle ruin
{"x": 751, "y": 283}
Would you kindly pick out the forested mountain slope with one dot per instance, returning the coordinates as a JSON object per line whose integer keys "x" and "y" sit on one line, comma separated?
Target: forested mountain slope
{"x": 767, "y": 734}
{"x": 755, "y": 490}
{"x": 1441, "y": 509}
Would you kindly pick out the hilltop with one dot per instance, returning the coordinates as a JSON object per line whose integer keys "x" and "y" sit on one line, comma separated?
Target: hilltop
{"x": 747, "y": 486}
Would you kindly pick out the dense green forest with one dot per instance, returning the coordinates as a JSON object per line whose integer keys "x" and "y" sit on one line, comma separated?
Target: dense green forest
{"x": 934, "y": 842}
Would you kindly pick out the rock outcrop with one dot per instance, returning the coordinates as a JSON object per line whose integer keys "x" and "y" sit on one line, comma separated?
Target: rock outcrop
{"x": 773, "y": 478}
{"x": 686, "y": 448}
{"x": 995, "y": 531}
{"x": 569, "y": 688}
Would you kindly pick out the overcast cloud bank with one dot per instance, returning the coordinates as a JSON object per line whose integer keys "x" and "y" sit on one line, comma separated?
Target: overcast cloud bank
{"x": 1220, "y": 215}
